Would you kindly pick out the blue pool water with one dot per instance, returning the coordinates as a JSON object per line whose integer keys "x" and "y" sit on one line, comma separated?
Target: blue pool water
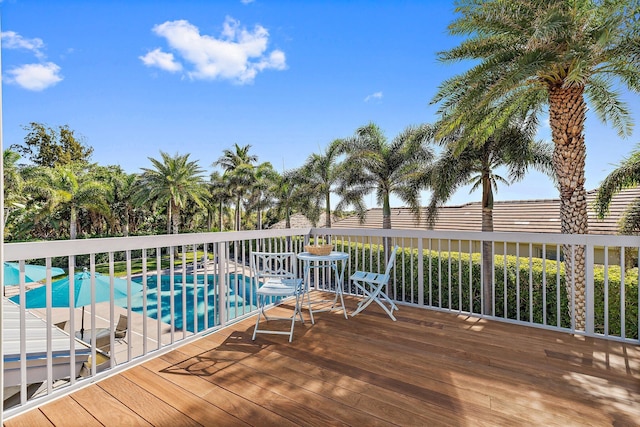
{"x": 240, "y": 299}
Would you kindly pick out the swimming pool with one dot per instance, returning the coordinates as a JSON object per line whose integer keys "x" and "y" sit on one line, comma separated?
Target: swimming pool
{"x": 240, "y": 299}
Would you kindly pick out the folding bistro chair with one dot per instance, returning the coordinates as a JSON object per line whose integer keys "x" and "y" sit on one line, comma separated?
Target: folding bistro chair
{"x": 275, "y": 274}
{"x": 371, "y": 285}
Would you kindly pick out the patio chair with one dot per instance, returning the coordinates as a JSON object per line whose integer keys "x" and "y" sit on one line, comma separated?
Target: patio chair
{"x": 371, "y": 284}
{"x": 120, "y": 333}
{"x": 276, "y": 278}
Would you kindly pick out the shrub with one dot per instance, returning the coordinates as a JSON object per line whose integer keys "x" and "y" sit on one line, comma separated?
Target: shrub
{"x": 527, "y": 289}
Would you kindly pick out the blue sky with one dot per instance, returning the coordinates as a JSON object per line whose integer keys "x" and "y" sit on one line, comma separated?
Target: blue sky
{"x": 287, "y": 77}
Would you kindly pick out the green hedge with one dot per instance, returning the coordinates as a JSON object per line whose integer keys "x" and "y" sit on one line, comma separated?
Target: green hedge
{"x": 456, "y": 284}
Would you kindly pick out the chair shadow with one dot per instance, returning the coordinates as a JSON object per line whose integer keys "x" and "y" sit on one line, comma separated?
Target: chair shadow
{"x": 235, "y": 348}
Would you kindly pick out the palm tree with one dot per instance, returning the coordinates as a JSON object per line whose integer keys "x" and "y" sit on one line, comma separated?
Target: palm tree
{"x": 221, "y": 194}
{"x": 238, "y": 172}
{"x": 397, "y": 167}
{"x": 626, "y": 175}
{"x": 260, "y": 199}
{"x": 289, "y": 195}
{"x": 120, "y": 196}
{"x": 231, "y": 159}
{"x": 537, "y": 54}
{"x": 12, "y": 179}
{"x": 68, "y": 187}
{"x": 173, "y": 182}
{"x": 512, "y": 148}
{"x": 323, "y": 175}
{"x": 14, "y": 199}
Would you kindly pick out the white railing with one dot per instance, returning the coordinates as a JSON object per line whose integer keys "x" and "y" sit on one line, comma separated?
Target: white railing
{"x": 444, "y": 271}
{"x": 207, "y": 283}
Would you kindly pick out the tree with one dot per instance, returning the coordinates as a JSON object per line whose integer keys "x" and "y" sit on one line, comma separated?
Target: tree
{"x": 323, "y": 175}
{"x": 289, "y": 195}
{"x": 260, "y": 198}
{"x": 121, "y": 191}
{"x": 172, "y": 182}
{"x": 397, "y": 167}
{"x": 12, "y": 179}
{"x": 220, "y": 194}
{"x": 14, "y": 199}
{"x": 626, "y": 175}
{"x": 238, "y": 173}
{"x": 512, "y": 148}
{"x": 45, "y": 146}
{"x": 67, "y": 188}
{"x": 535, "y": 54}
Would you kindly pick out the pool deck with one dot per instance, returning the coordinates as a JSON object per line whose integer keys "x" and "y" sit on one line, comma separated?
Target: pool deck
{"x": 137, "y": 321}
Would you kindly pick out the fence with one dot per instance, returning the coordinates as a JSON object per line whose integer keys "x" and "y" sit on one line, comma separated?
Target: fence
{"x": 193, "y": 284}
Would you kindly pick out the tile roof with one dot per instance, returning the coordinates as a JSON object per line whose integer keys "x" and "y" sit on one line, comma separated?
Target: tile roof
{"x": 538, "y": 216}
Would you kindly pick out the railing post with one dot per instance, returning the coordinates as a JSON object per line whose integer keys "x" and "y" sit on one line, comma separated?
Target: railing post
{"x": 420, "y": 273}
{"x": 222, "y": 283}
{"x": 589, "y": 288}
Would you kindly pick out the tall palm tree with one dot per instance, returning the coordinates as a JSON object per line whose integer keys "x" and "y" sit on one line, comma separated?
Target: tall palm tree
{"x": 513, "y": 148}
{"x": 325, "y": 174}
{"x": 172, "y": 182}
{"x": 626, "y": 175}
{"x": 68, "y": 188}
{"x": 231, "y": 159}
{"x": 121, "y": 189}
{"x": 238, "y": 172}
{"x": 536, "y": 54}
{"x": 220, "y": 194}
{"x": 260, "y": 199}
{"x": 397, "y": 167}
{"x": 289, "y": 195}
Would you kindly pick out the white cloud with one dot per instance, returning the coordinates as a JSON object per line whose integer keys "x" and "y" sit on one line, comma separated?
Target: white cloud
{"x": 162, "y": 60}
{"x": 35, "y": 77}
{"x": 237, "y": 55}
{"x": 246, "y": 1}
{"x": 373, "y": 96}
{"x": 13, "y": 40}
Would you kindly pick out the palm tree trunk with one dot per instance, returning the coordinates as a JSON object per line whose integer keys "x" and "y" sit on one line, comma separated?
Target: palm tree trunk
{"x": 125, "y": 230}
{"x": 221, "y": 216}
{"x": 386, "y": 213}
{"x": 175, "y": 219}
{"x": 73, "y": 223}
{"x": 567, "y": 110}
{"x": 327, "y": 211}
{"x": 386, "y": 224}
{"x": 487, "y": 248}
{"x": 238, "y": 214}
{"x": 169, "y": 211}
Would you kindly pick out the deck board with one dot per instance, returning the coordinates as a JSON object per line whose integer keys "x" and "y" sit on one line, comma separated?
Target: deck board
{"x": 428, "y": 368}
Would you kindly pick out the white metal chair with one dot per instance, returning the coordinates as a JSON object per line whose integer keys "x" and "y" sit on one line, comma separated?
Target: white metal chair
{"x": 275, "y": 274}
{"x": 371, "y": 285}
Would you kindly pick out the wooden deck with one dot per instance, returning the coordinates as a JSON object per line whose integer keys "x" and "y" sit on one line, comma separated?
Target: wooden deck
{"x": 428, "y": 368}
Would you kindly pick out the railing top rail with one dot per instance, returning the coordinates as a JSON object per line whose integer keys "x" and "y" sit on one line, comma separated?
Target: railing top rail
{"x": 496, "y": 236}
{"x": 32, "y": 250}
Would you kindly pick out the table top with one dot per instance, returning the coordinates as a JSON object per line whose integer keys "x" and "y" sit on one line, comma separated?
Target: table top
{"x": 90, "y": 333}
{"x": 333, "y": 256}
